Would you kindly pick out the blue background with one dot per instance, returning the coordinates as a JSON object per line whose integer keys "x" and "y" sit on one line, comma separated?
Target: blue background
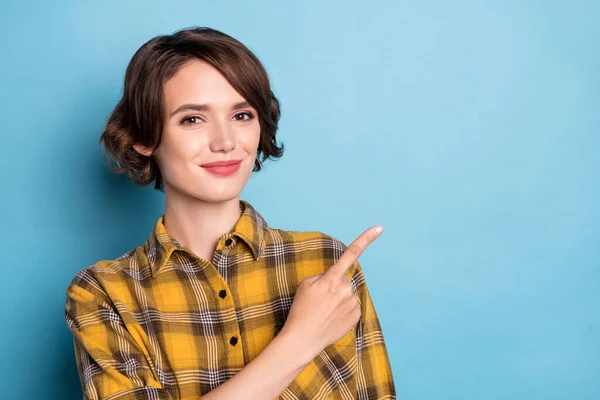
{"x": 468, "y": 129}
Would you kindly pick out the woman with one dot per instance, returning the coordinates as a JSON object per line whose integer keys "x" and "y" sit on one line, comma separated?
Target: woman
{"x": 216, "y": 303}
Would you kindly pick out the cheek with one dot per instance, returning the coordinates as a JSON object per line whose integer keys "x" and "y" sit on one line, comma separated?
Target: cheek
{"x": 176, "y": 155}
{"x": 252, "y": 141}
{"x": 183, "y": 147}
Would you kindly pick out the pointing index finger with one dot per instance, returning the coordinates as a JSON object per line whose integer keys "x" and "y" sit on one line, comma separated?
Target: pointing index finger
{"x": 339, "y": 269}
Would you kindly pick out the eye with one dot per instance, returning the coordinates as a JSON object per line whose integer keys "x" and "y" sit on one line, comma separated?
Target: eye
{"x": 249, "y": 114}
{"x": 192, "y": 119}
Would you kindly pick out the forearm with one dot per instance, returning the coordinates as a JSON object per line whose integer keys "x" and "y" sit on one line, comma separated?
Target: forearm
{"x": 269, "y": 374}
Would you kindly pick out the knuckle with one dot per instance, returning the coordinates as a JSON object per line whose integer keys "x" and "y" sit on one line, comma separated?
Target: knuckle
{"x": 347, "y": 291}
{"x": 331, "y": 286}
{"x": 311, "y": 279}
{"x": 304, "y": 282}
{"x": 307, "y": 281}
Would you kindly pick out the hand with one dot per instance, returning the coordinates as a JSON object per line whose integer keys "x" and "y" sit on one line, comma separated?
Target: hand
{"x": 325, "y": 307}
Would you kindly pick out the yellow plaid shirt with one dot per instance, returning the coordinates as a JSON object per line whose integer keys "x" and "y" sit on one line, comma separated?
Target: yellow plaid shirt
{"x": 161, "y": 323}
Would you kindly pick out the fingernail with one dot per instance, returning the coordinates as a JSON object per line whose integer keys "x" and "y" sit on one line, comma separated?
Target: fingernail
{"x": 378, "y": 230}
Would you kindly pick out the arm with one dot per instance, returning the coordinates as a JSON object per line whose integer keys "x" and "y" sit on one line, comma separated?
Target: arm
{"x": 112, "y": 365}
{"x": 267, "y": 375}
{"x": 374, "y": 373}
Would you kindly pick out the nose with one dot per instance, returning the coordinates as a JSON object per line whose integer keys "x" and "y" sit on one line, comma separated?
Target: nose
{"x": 222, "y": 138}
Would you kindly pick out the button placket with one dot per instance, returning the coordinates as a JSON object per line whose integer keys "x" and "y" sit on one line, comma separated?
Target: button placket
{"x": 235, "y": 345}
{"x": 221, "y": 253}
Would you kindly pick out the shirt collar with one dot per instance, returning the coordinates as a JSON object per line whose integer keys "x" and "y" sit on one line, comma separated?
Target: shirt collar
{"x": 250, "y": 227}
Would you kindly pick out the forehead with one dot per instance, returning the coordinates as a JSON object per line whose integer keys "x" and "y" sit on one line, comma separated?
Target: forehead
{"x": 199, "y": 82}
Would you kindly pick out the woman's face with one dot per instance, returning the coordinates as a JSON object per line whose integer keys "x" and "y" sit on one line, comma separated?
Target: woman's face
{"x": 223, "y": 127}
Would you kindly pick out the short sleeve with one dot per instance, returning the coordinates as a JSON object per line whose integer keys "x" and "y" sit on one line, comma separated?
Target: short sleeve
{"x": 110, "y": 363}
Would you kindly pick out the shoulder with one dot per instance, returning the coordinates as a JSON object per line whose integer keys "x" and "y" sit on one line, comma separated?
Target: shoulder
{"x": 276, "y": 235}
{"x": 97, "y": 278}
{"x": 312, "y": 243}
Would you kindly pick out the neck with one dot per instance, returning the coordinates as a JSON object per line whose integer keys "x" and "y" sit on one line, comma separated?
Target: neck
{"x": 198, "y": 225}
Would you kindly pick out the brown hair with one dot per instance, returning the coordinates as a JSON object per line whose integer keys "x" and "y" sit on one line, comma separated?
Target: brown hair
{"x": 140, "y": 114}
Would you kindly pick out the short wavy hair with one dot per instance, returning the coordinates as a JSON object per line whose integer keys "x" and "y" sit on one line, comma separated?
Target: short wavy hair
{"x": 139, "y": 116}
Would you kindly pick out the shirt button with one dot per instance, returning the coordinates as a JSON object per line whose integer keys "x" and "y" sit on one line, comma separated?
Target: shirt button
{"x": 222, "y": 294}
{"x": 228, "y": 242}
{"x": 233, "y": 340}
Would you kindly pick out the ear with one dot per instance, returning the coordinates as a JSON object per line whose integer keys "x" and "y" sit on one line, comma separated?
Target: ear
{"x": 142, "y": 150}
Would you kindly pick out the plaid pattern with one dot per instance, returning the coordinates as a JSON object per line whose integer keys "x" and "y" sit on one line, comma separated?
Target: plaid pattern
{"x": 160, "y": 323}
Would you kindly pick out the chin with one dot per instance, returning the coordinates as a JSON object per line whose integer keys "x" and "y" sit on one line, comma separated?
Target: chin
{"x": 216, "y": 193}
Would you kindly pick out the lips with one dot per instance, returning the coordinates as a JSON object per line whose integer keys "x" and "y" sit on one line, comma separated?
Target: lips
{"x": 221, "y": 163}
{"x": 223, "y": 170}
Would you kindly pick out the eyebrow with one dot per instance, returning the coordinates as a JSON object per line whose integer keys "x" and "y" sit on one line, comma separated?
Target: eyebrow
{"x": 206, "y": 107}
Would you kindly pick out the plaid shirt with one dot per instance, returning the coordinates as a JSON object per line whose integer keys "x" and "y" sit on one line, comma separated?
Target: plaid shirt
{"x": 161, "y": 323}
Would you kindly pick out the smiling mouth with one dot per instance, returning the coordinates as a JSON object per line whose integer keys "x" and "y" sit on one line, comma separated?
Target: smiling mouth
{"x": 221, "y": 163}
{"x": 223, "y": 170}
